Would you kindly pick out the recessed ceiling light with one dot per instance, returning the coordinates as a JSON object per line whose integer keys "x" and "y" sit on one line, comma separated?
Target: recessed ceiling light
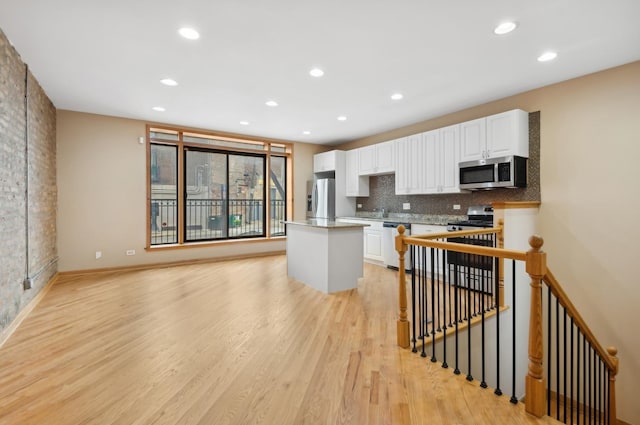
{"x": 505, "y": 28}
{"x": 316, "y": 72}
{"x": 244, "y": 122}
{"x": 342, "y": 118}
{"x": 306, "y": 132}
{"x": 271, "y": 103}
{"x": 169, "y": 82}
{"x": 158, "y": 109}
{"x": 397, "y": 96}
{"x": 189, "y": 33}
{"x": 547, "y": 56}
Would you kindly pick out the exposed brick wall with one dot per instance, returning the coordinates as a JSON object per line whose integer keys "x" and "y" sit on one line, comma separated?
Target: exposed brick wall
{"x": 42, "y": 186}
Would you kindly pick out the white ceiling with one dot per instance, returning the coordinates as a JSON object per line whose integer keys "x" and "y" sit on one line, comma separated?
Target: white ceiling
{"x": 107, "y": 57}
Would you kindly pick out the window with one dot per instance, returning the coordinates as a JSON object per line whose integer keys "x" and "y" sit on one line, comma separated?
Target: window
{"x": 205, "y": 187}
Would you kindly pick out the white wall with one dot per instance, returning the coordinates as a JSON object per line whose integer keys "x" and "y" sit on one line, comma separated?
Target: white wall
{"x": 102, "y": 196}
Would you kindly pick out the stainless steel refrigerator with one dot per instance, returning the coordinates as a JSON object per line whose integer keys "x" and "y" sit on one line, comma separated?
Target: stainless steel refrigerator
{"x": 324, "y": 198}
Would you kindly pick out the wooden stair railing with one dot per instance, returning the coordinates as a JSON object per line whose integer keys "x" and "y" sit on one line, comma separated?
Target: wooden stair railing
{"x": 535, "y": 266}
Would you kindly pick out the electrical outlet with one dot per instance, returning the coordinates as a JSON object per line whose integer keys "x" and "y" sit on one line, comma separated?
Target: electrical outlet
{"x": 98, "y": 254}
{"x": 406, "y": 206}
{"x": 131, "y": 252}
{"x": 456, "y": 206}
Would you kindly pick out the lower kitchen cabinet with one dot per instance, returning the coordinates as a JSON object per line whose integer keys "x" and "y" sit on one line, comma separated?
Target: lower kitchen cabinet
{"x": 419, "y": 261}
{"x": 373, "y": 244}
{"x": 372, "y": 238}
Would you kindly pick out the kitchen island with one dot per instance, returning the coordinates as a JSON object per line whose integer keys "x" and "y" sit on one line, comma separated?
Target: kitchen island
{"x": 325, "y": 254}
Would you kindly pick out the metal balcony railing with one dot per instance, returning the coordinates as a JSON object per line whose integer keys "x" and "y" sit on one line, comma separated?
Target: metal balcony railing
{"x": 212, "y": 219}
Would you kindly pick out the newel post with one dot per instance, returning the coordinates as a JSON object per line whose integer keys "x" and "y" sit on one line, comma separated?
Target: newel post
{"x": 535, "y": 402}
{"x": 403, "y": 322}
{"x": 613, "y": 351}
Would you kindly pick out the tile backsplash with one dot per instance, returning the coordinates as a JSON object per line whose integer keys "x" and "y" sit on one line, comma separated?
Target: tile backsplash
{"x": 382, "y": 189}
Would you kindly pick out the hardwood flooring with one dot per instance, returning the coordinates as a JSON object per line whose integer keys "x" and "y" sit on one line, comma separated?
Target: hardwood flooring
{"x": 233, "y": 342}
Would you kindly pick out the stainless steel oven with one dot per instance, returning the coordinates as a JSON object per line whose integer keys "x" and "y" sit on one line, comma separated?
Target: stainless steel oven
{"x": 472, "y": 270}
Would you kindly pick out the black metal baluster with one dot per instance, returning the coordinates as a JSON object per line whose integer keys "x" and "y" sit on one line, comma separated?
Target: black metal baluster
{"x": 434, "y": 277}
{"x": 469, "y": 375}
{"x": 473, "y": 282}
{"x": 514, "y": 398}
{"x": 424, "y": 319}
{"x": 444, "y": 267}
{"x": 434, "y": 280}
{"x": 591, "y": 376}
{"x": 557, "y": 357}
{"x": 433, "y": 308}
{"x": 445, "y": 304}
{"x": 549, "y": 358}
{"x": 465, "y": 282}
{"x": 564, "y": 368}
{"x": 599, "y": 390}
{"x": 413, "y": 300}
{"x": 584, "y": 380}
{"x": 496, "y": 278}
{"x": 456, "y": 292}
{"x": 483, "y": 383}
{"x": 571, "y": 371}
{"x": 578, "y": 375}
{"x": 608, "y": 395}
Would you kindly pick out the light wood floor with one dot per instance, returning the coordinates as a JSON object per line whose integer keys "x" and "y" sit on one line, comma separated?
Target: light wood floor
{"x": 233, "y": 342}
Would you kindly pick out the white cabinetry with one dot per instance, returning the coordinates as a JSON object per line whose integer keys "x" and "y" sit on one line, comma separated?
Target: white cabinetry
{"x": 508, "y": 134}
{"x": 473, "y": 139}
{"x": 376, "y": 159}
{"x": 333, "y": 164}
{"x": 357, "y": 185}
{"x": 423, "y": 229}
{"x": 372, "y": 238}
{"x": 325, "y": 161}
{"x": 494, "y": 136}
{"x": 373, "y": 243}
{"x": 427, "y": 163}
{"x": 442, "y": 154}
{"x": 408, "y": 153}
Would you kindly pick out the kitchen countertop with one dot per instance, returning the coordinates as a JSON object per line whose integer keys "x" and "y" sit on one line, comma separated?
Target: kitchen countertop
{"x": 429, "y": 219}
{"x": 325, "y": 223}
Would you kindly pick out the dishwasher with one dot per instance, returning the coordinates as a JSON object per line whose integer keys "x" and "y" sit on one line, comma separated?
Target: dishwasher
{"x": 389, "y": 253}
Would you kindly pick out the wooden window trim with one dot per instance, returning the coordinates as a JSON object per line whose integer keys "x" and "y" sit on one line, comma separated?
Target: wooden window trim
{"x": 267, "y": 151}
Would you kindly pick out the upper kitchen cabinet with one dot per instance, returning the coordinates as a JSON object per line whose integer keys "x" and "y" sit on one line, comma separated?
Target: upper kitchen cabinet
{"x": 508, "y": 134}
{"x": 325, "y": 161}
{"x": 357, "y": 185}
{"x": 409, "y": 167}
{"x": 495, "y": 136}
{"x": 473, "y": 139}
{"x": 427, "y": 163}
{"x": 440, "y": 159}
{"x": 376, "y": 159}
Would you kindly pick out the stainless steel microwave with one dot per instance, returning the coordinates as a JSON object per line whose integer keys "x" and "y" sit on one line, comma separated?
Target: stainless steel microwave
{"x": 507, "y": 171}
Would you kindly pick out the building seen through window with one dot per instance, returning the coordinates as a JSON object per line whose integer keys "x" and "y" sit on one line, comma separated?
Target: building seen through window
{"x": 225, "y": 190}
